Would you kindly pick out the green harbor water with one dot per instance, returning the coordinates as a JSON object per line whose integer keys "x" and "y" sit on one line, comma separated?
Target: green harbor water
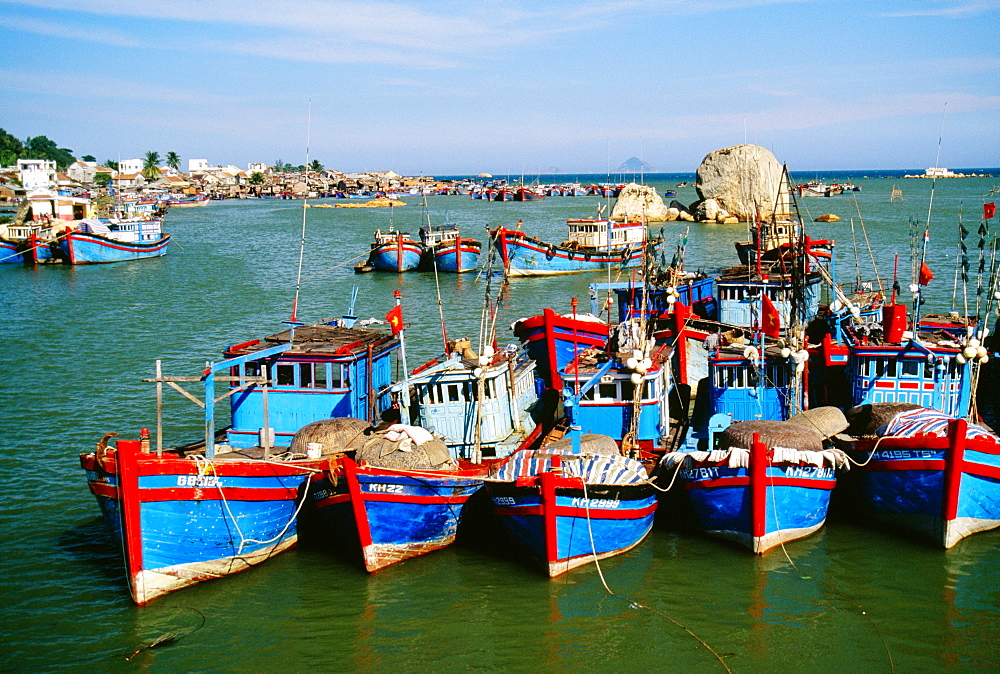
{"x": 77, "y": 341}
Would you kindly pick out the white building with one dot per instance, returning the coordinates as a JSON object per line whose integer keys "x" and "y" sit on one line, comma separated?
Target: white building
{"x": 197, "y": 165}
{"x": 36, "y": 173}
{"x": 256, "y": 167}
{"x": 130, "y": 166}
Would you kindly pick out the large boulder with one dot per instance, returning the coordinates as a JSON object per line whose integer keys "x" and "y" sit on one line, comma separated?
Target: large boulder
{"x": 637, "y": 202}
{"x": 743, "y": 180}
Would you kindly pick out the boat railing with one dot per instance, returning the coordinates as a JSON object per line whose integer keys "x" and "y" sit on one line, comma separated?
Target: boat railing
{"x": 207, "y": 403}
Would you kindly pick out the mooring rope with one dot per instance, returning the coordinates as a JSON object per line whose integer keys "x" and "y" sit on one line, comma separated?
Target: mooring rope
{"x": 632, "y": 602}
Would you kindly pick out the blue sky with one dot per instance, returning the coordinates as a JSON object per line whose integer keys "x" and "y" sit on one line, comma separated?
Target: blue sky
{"x": 508, "y": 86}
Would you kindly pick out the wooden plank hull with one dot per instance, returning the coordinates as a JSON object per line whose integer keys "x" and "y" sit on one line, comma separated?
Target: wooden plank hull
{"x": 83, "y": 248}
{"x": 394, "y": 515}
{"x": 943, "y": 488}
{"x": 565, "y": 526}
{"x": 182, "y": 521}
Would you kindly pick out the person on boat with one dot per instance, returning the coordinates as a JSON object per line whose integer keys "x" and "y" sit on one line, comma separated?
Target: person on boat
{"x": 713, "y": 341}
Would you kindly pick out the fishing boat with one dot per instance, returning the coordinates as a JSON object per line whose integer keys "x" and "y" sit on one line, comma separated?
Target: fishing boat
{"x": 393, "y": 250}
{"x": 553, "y": 341}
{"x": 815, "y": 188}
{"x": 574, "y": 502}
{"x": 448, "y": 251}
{"x": 592, "y": 245}
{"x": 762, "y": 495}
{"x": 208, "y": 509}
{"x": 95, "y": 241}
{"x": 185, "y": 200}
{"x": 932, "y": 473}
{"x": 404, "y": 493}
{"x": 523, "y": 193}
{"x": 28, "y": 242}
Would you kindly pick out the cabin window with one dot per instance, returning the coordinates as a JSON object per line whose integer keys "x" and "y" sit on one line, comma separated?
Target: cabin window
{"x": 590, "y": 394}
{"x": 608, "y": 391}
{"x": 340, "y": 376}
{"x": 305, "y": 375}
{"x": 910, "y": 368}
{"x": 777, "y": 376}
{"x": 251, "y": 369}
{"x": 453, "y": 396}
{"x": 285, "y": 375}
{"x": 320, "y": 375}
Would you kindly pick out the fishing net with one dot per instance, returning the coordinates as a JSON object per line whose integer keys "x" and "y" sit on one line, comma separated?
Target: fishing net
{"x": 404, "y": 455}
{"x": 772, "y": 434}
{"x": 335, "y": 435}
{"x": 866, "y": 419}
{"x": 827, "y": 421}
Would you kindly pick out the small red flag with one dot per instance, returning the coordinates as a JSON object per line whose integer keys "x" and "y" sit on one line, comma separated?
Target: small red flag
{"x": 989, "y": 210}
{"x": 925, "y": 275}
{"x": 770, "y": 318}
{"x": 395, "y": 318}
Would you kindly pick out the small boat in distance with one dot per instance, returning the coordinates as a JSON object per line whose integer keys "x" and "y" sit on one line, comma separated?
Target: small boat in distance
{"x": 447, "y": 250}
{"x": 96, "y": 241}
{"x": 592, "y": 245}
{"x": 395, "y": 251}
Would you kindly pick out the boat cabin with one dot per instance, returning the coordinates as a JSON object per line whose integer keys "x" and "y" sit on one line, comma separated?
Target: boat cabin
{"x": 600, "y": 398}
{"x": 312, "y": 372}
{"x": 126, "y": 231}
{"x": 604, "y": 234}
{"x": 738, "y": 293}
{"x": 480, "y": 411}
{"x": 746, "y": 389}
{"x": 912, "y": 372}
{"x": 434, "y": 235}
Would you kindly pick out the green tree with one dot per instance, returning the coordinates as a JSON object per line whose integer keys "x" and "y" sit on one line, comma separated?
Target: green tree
{"x": 150, "y": 170}
{"x": 111, "y": 164}
{"x": 88, "y": 157}
{"x": 173, "y": 161}
{"x": 11, "y": 149}
{"x": 256, "y": 178}
{"x": 101, "y": 179}
{"x": 315, "y": 166}
{"x": 41, "y": 147}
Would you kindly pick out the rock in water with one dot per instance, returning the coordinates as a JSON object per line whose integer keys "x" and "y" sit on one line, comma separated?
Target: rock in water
{"x": 743, "y": 180}
{"x": 636, "y": 202}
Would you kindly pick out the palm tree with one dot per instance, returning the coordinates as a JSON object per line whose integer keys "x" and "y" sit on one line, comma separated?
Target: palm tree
{"x": 173, "y": 161}
{"x": 150, "y": 170}
{"x": 315, "y": 166}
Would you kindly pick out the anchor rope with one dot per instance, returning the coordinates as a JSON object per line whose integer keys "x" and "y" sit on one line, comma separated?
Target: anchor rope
{"x": 632, "y": 602}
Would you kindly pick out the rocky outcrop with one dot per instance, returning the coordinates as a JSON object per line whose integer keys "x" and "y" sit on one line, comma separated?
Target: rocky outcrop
{"x": 743, "y": 181}
{"x": 637, "y": 202}
{"x": 829, "y": 217}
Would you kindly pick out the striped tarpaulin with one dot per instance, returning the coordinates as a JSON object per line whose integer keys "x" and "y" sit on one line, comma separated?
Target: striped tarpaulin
{"x": 593, "y": 469}
{"x": 927, "y": 422}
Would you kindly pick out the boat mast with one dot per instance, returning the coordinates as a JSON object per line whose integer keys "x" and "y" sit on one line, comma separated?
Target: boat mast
{"x": 302, "y": 242}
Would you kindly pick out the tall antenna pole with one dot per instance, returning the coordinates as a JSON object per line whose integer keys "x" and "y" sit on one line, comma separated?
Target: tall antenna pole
{"x": 302, "y": 242}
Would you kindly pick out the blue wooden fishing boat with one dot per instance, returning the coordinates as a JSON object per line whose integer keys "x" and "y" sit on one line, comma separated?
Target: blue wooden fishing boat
{"x": 934, "y": 474}
{"x": 95, "y": 241}
{"x": 192, "y": 513}
{"x": 553, "y": 341}
{"x": 592, "y": 245}
{"x": 27, "y": 242}
{"x": 448, "y": 250}
{"x": 405, "y": 495}
{"x": 395, "y": 251}
{"x": 760, "y": 497}
{"x": 930, "y": 368}
{"x": 574, "y": 502}
{"x": 10, "y": 251}
{"x": 395, "y": 514}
